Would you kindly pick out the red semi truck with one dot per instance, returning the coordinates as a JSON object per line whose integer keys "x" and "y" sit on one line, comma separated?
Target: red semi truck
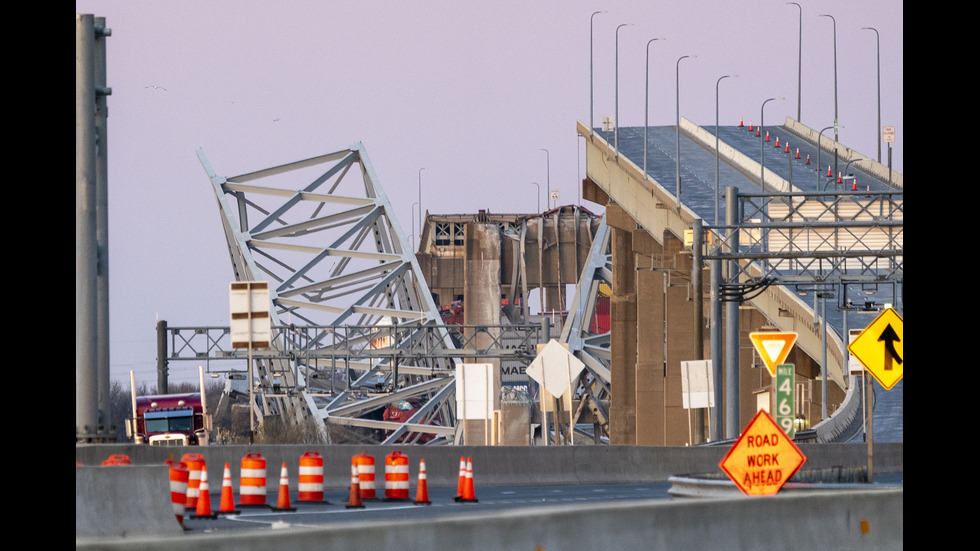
{"x": 170, "y": 420}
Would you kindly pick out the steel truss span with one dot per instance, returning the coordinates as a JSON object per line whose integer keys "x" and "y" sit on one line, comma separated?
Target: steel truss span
{"x": 322, "y": 232}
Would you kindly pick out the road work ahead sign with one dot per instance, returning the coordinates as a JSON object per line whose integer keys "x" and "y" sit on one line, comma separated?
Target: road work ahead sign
{"x": 763, "y": 458}
{"x": 880, "y": 348}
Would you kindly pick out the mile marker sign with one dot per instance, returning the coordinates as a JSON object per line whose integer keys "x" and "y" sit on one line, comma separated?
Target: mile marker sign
{"x": 763, "y": 458}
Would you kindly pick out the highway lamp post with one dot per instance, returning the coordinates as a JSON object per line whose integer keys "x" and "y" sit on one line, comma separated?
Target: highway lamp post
{"x": 413, "y": 227}
{"x": 717, "y": 161}
{"x": 591, "y": 79}
{"x": 646, "y": 110}
{"x": 548, "y": 158}
{"x": 762, "y": 141}
{"x": 799, "y": 66}
{"x": 836, "y": 136}
{"x": 878, "y": 56}
{"x": 420, "y": 200}
{"x": 847, "y": 167}
{"x": 677, "y": 103}
{"x": 616, "y": 116}
{"x": 819, "y": 149}
{"x": 537, "y": 196}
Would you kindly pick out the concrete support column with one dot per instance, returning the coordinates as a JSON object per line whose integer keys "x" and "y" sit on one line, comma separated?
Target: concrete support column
{"x": 481, "y": 286}
{"x": 651, "y": 430}
{"x": 622, "y": 407}
{"x": 680, "y": 328}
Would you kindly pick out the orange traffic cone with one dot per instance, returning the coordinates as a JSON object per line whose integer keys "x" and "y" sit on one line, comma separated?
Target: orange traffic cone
{"x": 283, "y": 503}
{"x": 422, "y": 493}
{"x": 741, "y": 122}
{"x": 777, "y": 142}
{"x": 750, "y": 126}
{"x": 808, "y": 159}
{"x": 840, "y": 177}
{"x": 829, "y": 174}
{"x": 767, "y": 135}
{"x": 354, "y": 501}
{"x": 204, "y": 497}
{"x": 854, "y": 186}
{"x": 469, "y": 494}
{"x": 868, "y": 192}
{"x": 462, "y": 479}
{"x": 227, "y": 505}
{"x": 787, "y": 150}
{"x": 798, "y": 153}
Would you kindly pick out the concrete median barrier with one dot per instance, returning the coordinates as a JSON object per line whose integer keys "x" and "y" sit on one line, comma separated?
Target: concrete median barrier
{"x": 124, "y": 501}
{"x": 842, "y": 520}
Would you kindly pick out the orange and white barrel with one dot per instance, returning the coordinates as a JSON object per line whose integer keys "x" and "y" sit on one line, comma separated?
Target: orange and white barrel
{"x": 179, "y": 474}
{"x": 252, "y": 483}
{"x": 194, "y": 462}
{"x": 310, "y": 477}
{"x": 365, "y": 475}
{"x": 396, "y": 475}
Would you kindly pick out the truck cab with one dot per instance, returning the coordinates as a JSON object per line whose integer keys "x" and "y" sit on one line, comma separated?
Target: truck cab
{"x": 170, "y": 420}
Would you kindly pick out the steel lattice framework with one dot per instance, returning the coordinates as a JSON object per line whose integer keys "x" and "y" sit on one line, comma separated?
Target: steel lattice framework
{"x": 811, "y": 238}
{"x": 582, "y": 336}
{"x": 323, "y": 233}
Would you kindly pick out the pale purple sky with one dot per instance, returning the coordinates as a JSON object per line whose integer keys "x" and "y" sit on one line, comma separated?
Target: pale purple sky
{"x": 471, "y": 91}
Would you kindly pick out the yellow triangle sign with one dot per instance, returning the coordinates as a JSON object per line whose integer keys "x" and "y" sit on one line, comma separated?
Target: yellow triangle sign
{"x": 773, "y": 347}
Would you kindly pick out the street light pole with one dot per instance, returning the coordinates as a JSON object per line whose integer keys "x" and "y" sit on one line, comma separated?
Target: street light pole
{"x": 591, "y": 80}
{"x": 799, "y": 65}
{"x": 420, "y": 200}
{"x": 616, "y": 135}
{"x": 548, "y": 157}
{"x": 762, "y": 141}
{"x": 677, "y": 92}
{"x": 411, "y": 237}
{"x": 717, "y": 162}
{"x": 646, "y": 111}
{"x": 878, "y": 50}
{"x": 537, "y": 195}
{"x": 819, "y": 139}
{"x": 836, "y": 136}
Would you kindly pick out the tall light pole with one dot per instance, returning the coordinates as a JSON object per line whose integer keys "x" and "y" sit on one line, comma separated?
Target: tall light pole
{"x": 591, "y": 80}
{"x": 819, "y": 149}
{"x": 420, "y": 200}
{"x": 646, "y": 111}
{"x": 878, "y": 54}
{"x": 412, "y": 237}
{"x": 616, "y": 134}
{"x": 537, "y": 195}
{"x": 678, "y": 104}
{"x": 762, "y": 140}
{"x": 799, "y": 65}
{"x": 836, "y": 137}
{"x": 717, "y": 162}
{"x": 548, "y": 157}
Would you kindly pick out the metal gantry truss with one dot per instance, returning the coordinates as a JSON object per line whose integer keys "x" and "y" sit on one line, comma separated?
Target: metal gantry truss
{"x": 810, "y": 239}
{"x": 324, "y": 235}
{"x": 351, "y": 369}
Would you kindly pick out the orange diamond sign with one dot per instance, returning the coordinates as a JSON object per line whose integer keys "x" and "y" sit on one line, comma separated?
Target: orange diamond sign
{"x": 763, "y": 458}
{"x": 773, "y": 346}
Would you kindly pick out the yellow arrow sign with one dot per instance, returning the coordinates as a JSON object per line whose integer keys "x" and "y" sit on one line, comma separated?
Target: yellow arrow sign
{"x": 773, "y": 347}
{"x": 880, "y": 348}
